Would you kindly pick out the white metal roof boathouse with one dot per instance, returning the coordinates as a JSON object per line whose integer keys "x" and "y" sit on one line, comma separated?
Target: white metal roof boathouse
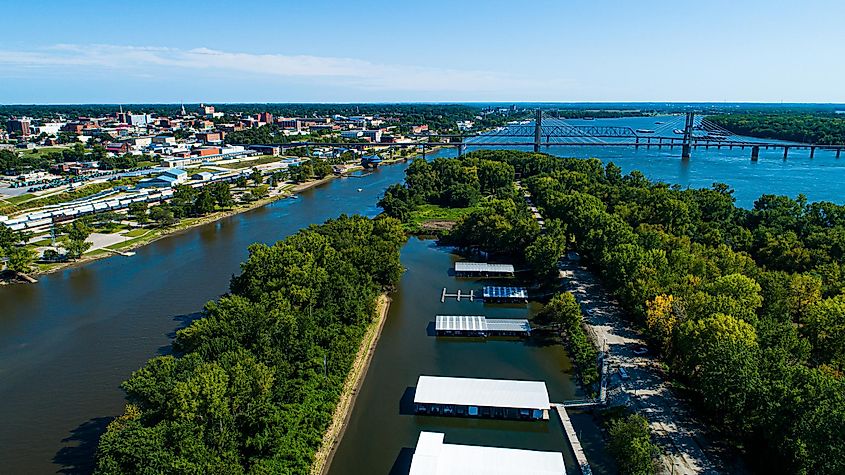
{"x": 471, "y": 397}
{"x": 477, "y": 325}
{"x": 505, "y": 294}
{"x": 434, "y": 457}
{"x": 483, "y": 269}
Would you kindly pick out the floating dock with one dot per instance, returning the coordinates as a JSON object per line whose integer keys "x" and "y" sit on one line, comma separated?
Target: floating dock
{"x": 505, "y": 294}
{"x": 487, "y": 398}
{"x": 572, "y": 436}
{"x": 480, "y": 326}
{"x": 459, "y": 295}
{"x": 434, "y": 457}
{"x": 483, "y": 269}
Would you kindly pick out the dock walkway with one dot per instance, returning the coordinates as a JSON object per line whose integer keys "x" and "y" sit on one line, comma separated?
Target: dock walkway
{"x": 574, "y": 443}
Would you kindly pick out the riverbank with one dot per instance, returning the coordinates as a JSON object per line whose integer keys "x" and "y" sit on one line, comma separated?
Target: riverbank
{"x": 186, "y": 224}
{"x": 331, "y": 439}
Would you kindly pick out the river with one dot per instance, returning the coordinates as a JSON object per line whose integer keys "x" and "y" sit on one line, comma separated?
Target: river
{"x": 67, "y": 342}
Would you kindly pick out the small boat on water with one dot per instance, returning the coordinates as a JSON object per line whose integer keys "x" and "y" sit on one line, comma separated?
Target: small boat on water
{"x": 588, "y": 118}
{"x": 645, "y": 131}
{"x": 360, "y": 190}
{"x": 659, "y": 122}
{"x": 678, "y": 131}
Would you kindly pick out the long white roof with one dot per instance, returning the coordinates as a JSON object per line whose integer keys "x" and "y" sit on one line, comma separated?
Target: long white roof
{"x": 482, "y": 392}
{"x": 479, "y": 323}
{"x": 482, "y": 267}
{"x": 433, "y": 457}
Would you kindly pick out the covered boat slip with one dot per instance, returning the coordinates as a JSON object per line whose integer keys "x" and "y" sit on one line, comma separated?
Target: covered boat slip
{"x": 483, "y": 269}
{"x": 480, "y": 326}
{"x": 471, "y": 397}
{"x": 434, "y": 457}
{"x": 495, "y": 294}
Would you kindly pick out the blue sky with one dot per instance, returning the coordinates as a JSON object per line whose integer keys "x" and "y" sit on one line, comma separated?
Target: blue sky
{"x": 374, "y": 51}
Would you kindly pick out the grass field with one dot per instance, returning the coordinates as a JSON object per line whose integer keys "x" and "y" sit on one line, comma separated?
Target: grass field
{"x": 136, "y": 232}
{"x": 430, "y": 213}
{"x": 19, "y": 199}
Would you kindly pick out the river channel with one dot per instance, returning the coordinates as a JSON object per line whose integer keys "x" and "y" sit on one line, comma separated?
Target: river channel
{"x": 67, "y": 342}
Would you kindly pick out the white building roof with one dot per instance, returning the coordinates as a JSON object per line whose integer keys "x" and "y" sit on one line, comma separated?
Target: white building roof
{"x": 433, "y": 457}
{"x": 479, "y": 323}
{"x": 482, "y": 392}
{"x": 482, "y": 267}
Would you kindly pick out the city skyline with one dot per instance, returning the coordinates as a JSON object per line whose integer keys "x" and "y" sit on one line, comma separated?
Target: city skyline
{"x": 543, "y": 51}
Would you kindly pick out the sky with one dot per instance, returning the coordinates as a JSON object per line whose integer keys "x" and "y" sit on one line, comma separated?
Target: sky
{"x": 425, "y": 51}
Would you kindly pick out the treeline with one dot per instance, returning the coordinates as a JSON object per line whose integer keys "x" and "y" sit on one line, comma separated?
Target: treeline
{"x": 255, "y": 381}
{"x": 826, "y": 129}
{"x": 501, "y": 224}
{"x": 746, "y": 306}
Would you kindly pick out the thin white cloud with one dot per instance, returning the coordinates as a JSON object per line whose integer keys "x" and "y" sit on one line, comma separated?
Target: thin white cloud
{"x": 342, "y": 71}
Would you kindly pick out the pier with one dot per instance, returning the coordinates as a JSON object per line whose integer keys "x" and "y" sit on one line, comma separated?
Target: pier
{"x": 574, "y": 443}
{"x": 458, "y": 295}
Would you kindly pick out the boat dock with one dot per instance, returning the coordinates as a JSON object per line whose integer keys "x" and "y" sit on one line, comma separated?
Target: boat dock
{"x": 485, "y": 398}
{"x": 483, "y": 269}
{"x": 572, "y": 436}
{"x": 434, "y": 457}
{"x": 470, "y": 295}
{"x": 478, "y": 325}
{"x": 505, "y": 294}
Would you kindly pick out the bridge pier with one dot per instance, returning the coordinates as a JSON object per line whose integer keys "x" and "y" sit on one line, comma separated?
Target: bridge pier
{"x": 838, "y": 151}
{"x": 538, "y": 124}
{"x": 648, "y": 144}
{"x": 637, "y": 143}
{"x": 812, "y": 152}
{"x": 755, "y": 153}
{"x": 785, "y": 152}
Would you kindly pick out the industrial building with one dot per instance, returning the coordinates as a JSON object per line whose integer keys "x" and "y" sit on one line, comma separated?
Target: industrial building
{"x": 488, "y": 398}
{"x": 434, "y": 457}
{"x": 483, "y": 269}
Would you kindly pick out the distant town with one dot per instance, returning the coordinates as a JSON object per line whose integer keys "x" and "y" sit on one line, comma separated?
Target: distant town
{"x": 122, "y": 171}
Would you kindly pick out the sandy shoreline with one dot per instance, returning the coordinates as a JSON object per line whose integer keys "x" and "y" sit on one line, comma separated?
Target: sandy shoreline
{"x": 354, "y": 380}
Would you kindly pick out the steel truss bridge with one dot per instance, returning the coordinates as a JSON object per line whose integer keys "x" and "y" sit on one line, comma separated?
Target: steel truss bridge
{"x": 686, "y": 133}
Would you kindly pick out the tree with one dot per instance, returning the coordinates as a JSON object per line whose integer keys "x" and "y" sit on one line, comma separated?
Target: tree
{"x": 662, "y": 320}
{"x": 162, "y": 215}
{"x": 204, "y": 203}
{"x": 721, "y": 358}
{"x": 630, "y": 443}
{"x": 256, "y": 176}
{"x": 222, "y": 194}
{"x": 543, "y": 256}
{"x": 21, "y": 259}
{"x": 75, "y": 241}
{"x": 139, "y": 212}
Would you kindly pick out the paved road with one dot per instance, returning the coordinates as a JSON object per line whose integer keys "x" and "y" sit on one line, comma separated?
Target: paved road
{"x": 645, "y": 388}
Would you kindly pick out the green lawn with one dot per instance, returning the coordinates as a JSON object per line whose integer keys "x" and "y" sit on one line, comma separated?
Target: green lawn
{"x": 136, "y": 232}
{"x": 18, "y": 199}
{"x": 428, "y": 213}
